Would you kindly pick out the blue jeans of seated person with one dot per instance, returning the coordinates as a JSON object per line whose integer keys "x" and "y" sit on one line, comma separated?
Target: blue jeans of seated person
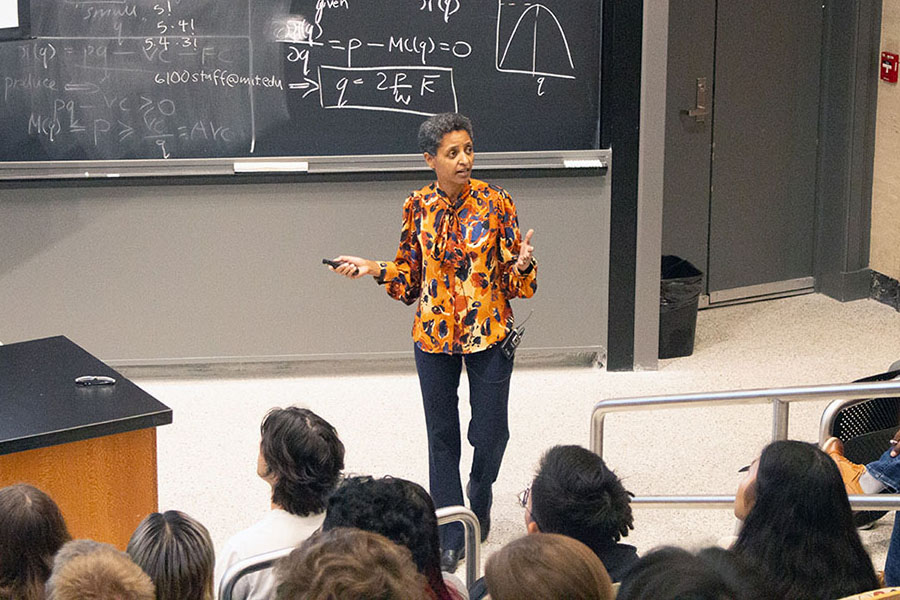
{"x": 887, "y": 470}
{"x": 489, "y": 373}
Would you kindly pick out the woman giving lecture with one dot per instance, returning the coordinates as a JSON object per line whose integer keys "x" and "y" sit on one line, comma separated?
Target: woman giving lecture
{"x": 461, "y": 257}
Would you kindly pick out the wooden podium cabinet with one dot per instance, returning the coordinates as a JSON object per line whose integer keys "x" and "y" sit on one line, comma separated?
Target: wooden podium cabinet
{"x": 91, "y": 448}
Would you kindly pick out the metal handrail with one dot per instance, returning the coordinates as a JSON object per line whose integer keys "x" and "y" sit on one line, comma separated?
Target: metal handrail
{"x": 873, "y": 502}
{"x": 247, "y": 566}
{"x": 448, "y": 514}
{"x": 780, "y": 398}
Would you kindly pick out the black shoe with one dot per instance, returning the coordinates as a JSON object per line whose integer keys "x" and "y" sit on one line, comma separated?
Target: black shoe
{"x": 450, "y": 559}
{"x": 485, "y": 527}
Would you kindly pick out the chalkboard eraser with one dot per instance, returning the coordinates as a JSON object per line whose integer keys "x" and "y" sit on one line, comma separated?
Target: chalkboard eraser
{"x": 580, "y": 163}
{"x": 272, "y": 166}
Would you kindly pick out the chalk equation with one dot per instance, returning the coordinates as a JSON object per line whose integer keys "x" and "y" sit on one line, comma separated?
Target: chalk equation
{"x": 207, "y": 78}
{"x": 414, "y": 90}
{"x": 133, "y": 122}
{"x": 422, "y": 47}
{"x": 100, "y": 96}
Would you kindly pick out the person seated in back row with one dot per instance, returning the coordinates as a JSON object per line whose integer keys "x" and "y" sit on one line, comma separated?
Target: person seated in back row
{"x": 670, "y": 573}
{"x": 877, "y": 477}
{"x": 32, "y": 529}
{"x": 547, "y": 566}
{"x": 575, "y": 494}
{"x": 401, "y": 511}
{"x": 349, "y": 564}
{"x": 301, "y": 457}
{"x": 89, "y": 570}
{"x": 176, "y": 551}
{"x": 797, "y": 528}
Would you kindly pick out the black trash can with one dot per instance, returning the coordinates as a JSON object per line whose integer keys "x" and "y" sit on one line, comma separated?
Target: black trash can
{"x": 679, "y": 295}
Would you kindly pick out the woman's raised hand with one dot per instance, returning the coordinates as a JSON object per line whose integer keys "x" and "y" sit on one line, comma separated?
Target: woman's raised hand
{"x": 526, "y": 250}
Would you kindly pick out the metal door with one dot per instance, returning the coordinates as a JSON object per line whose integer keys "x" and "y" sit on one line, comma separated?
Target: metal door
{"x": 690, "y": 70}
{"x": 747, "y": 215}
{"x": 762, "y": 204}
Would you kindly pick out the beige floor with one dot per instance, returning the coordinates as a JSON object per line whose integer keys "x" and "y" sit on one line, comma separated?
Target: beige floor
{"x": 207, "y": 457}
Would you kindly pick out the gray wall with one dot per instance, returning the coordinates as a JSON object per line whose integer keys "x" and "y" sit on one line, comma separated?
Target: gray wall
{"x": 149, "y": 273}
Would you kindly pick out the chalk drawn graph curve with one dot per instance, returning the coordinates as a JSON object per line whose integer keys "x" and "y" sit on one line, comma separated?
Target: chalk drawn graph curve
{"x": 536, "y": 8}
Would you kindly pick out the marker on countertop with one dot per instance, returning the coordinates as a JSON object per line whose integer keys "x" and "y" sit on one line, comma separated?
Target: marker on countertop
{"x": 94, "y": 380}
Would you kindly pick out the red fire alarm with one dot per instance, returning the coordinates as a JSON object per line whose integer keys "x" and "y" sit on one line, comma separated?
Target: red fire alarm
{"x": 889, "y": 62}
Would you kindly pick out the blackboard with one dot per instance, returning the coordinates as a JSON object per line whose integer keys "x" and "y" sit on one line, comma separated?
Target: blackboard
{"x": 193, "y": 79}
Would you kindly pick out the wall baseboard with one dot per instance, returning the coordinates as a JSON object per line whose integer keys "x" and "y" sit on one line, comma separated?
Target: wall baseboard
{"x": 886, "y": 290}
{"x": 337, "y": 365}
{"x": 845, "y": 286}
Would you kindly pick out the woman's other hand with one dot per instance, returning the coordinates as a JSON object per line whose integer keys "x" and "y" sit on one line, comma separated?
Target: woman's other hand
{"x": 526, "y": 250}
{"x": 355, "y": 267}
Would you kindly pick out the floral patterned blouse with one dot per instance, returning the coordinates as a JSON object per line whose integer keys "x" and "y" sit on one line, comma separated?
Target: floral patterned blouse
{"x": 457, "y": 259}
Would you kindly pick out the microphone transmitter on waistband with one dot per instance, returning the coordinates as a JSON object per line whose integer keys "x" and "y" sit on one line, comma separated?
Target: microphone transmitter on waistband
{"x": 511, "y": 342}
{"x": 513, "y": 339}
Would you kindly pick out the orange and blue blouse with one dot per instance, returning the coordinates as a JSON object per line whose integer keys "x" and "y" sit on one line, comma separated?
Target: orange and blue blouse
{"x": 457, "y": 259}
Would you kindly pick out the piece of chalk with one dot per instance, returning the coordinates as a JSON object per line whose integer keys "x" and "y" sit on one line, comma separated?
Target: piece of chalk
{"x": 590, "y": 163}
{"x": 272, "y": 166}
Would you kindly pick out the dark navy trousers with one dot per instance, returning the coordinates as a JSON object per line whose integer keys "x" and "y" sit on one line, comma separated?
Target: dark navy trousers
{"x": 489, "y": 373}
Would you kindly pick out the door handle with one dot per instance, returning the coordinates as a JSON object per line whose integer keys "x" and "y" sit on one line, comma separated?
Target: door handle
{"x": 701, "y": 110}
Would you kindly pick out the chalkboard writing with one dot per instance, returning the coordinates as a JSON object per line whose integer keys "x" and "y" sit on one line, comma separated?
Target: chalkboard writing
{"x": 176, "y": 79}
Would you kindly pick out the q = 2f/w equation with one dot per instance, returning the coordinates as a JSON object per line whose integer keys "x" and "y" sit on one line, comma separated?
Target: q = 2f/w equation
{"x": 418, "y": 90}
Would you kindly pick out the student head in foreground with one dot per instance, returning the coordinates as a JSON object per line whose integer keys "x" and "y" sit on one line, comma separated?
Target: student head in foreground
{"x": 575, "y": 494}
{"x": 177, "y": 553}
{"x": 548, "y": 566}
{"x": 349, "y": 564}
{"x": 401, "y": 511}
{"x": 674, "y": 574}
{"x": 32, "y": 529}
{"x": 798, "y": 530}
{"x": 89, "y": 570}
{"x": 301, "y": 459}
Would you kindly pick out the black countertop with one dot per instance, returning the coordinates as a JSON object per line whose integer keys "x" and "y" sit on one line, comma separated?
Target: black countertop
{"x": 40, "y": 404}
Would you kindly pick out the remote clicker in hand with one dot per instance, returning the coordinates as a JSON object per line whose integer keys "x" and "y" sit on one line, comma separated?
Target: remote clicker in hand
{"x": 336, "y": 263}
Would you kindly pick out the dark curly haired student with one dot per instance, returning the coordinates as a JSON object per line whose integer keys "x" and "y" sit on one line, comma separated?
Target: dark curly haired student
{"x": 398, "y": 509}
{"x": 576, "y": 494}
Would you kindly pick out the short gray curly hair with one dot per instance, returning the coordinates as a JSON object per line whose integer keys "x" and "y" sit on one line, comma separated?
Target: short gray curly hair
{"x": 433, "y": 130}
